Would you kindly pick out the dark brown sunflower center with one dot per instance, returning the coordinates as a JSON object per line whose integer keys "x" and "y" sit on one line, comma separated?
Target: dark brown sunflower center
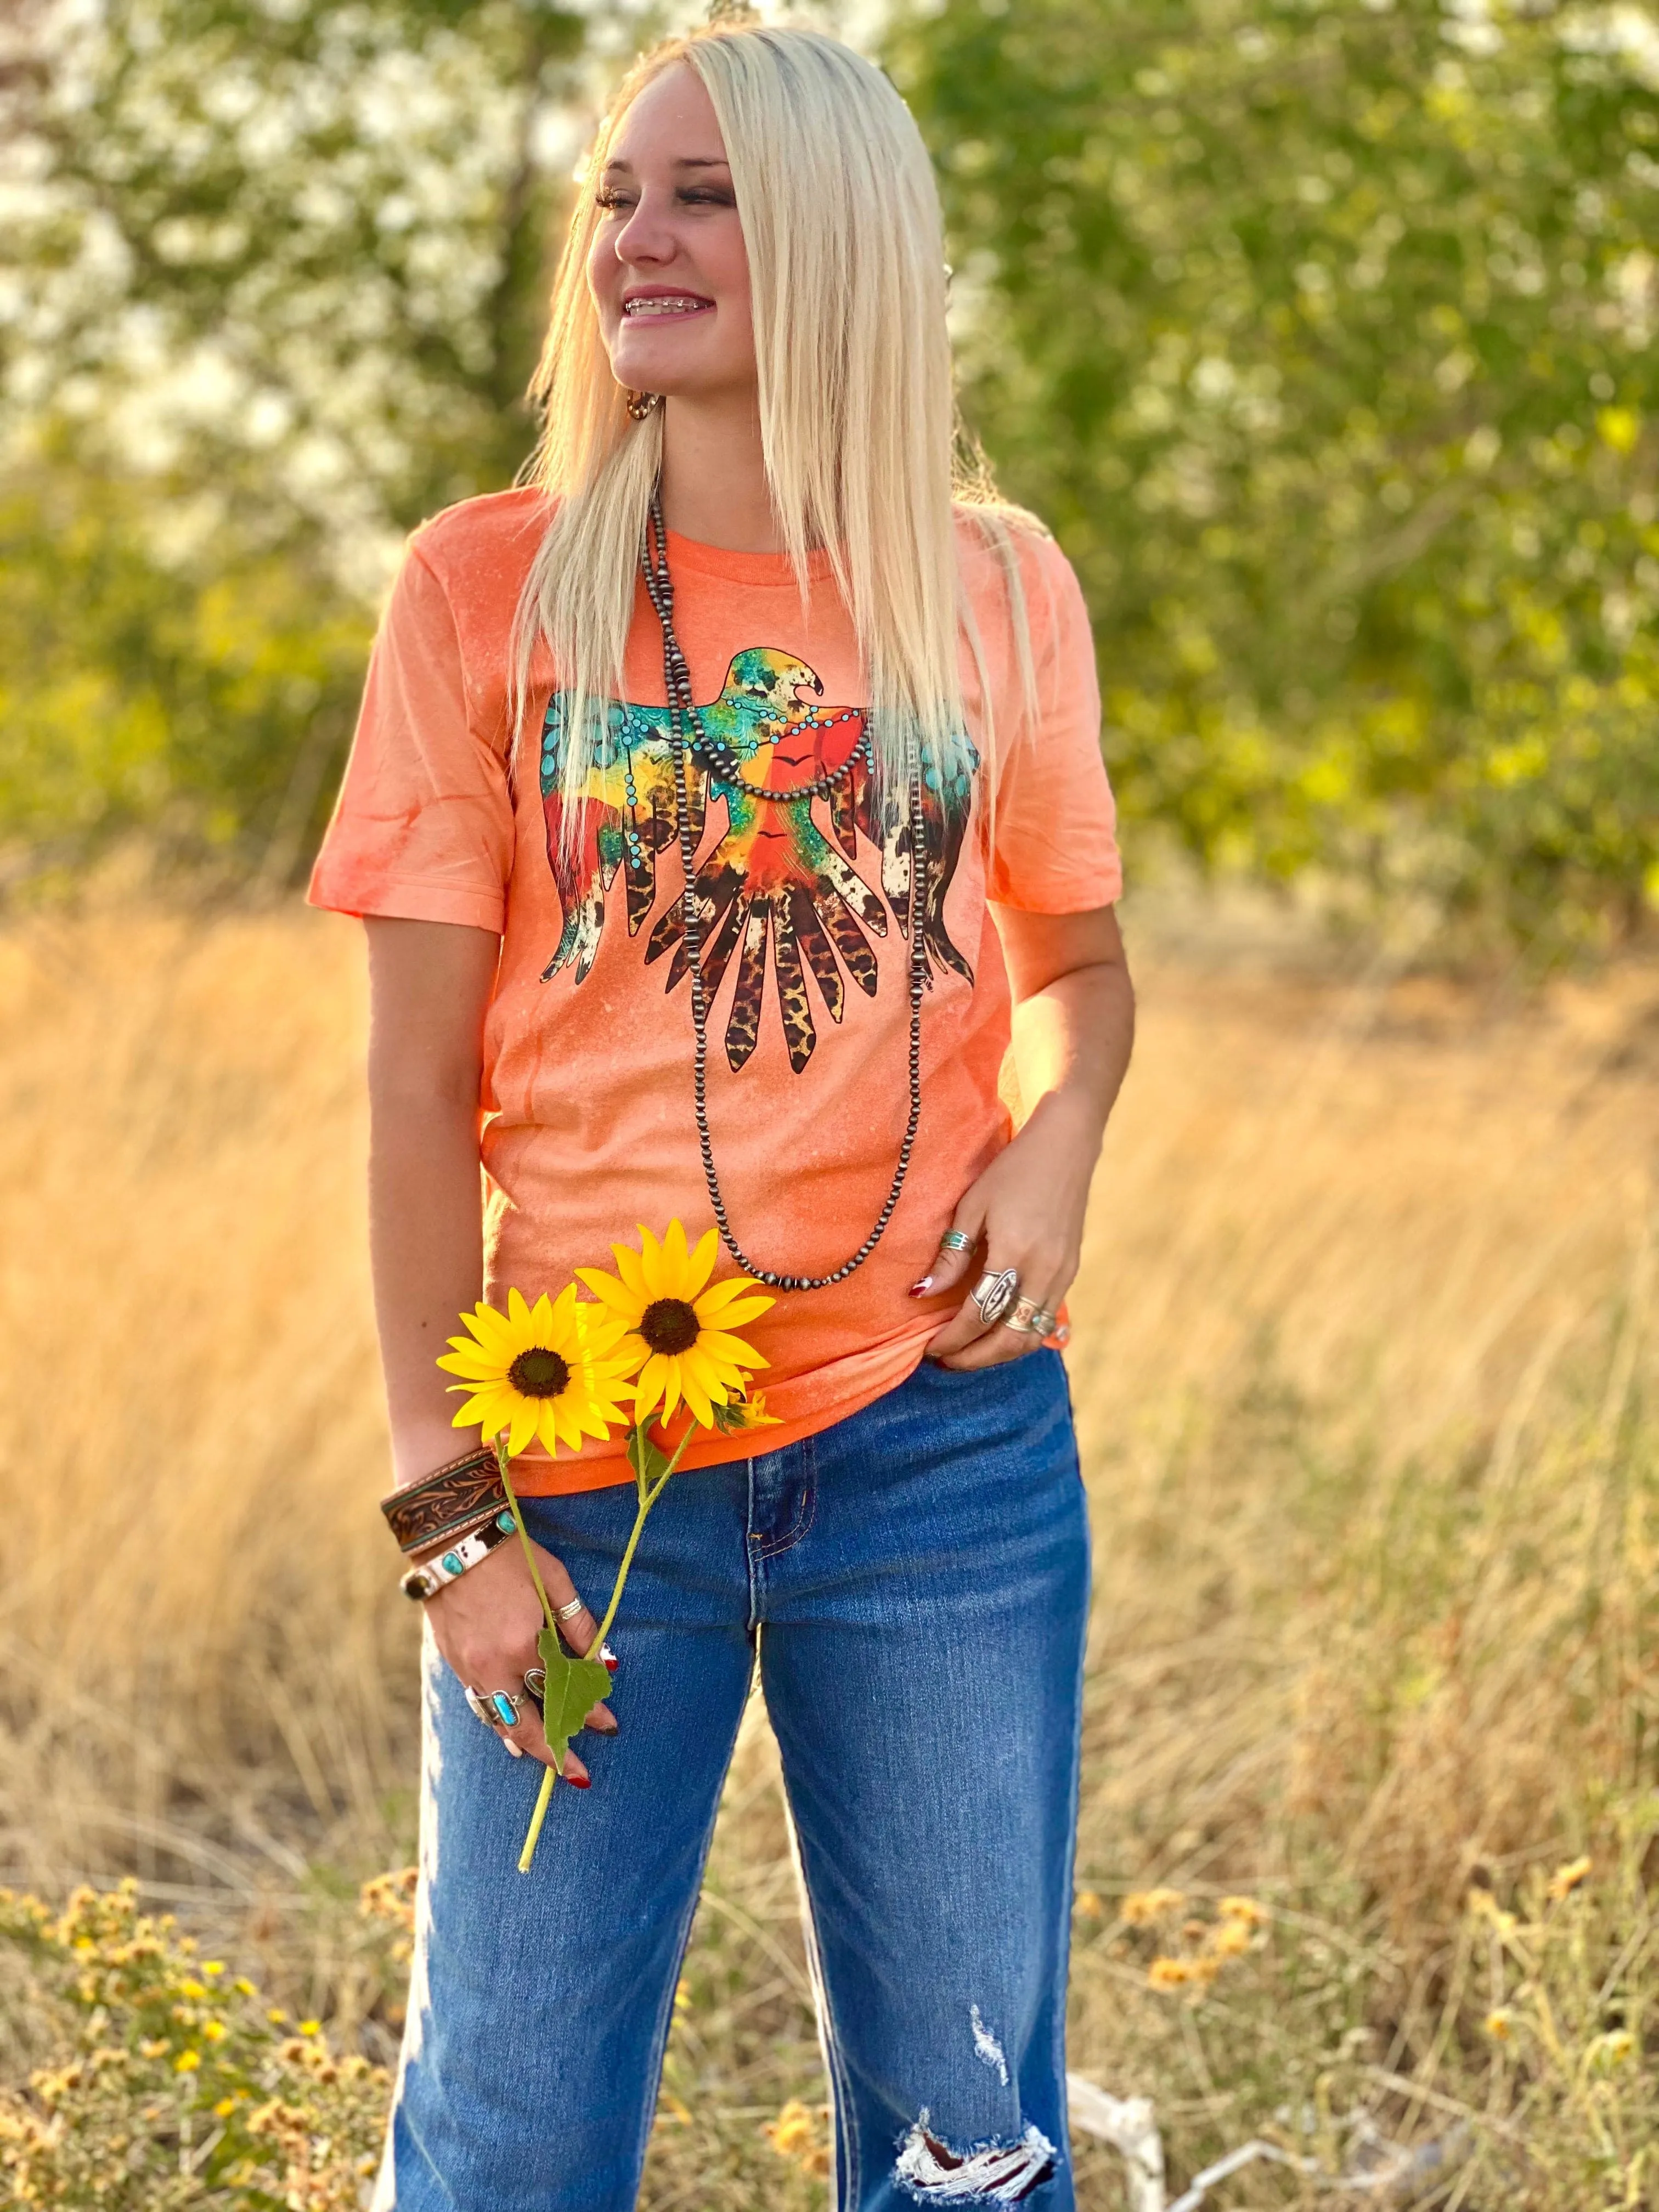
{"x": 539, "y": 1373}
{"x": 669, "y": 1325}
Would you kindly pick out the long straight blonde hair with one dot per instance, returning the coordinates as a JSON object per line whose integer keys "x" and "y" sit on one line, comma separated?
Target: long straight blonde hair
{"x": 841, "y": 222}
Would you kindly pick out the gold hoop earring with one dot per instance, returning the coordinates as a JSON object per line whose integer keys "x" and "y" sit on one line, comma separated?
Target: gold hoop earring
{"x": 641, "y": 404}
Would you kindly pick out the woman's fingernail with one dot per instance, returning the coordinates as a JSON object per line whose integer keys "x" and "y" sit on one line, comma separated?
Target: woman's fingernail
{"x": 609, "y": 1656}
{"x": 921, "y": 1289}
{"x": 514, "y": 1750}
{"x": 578, "y": 1781}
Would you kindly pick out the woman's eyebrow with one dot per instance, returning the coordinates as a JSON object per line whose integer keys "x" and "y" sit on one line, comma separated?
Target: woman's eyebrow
{"x": 620, "y": 168}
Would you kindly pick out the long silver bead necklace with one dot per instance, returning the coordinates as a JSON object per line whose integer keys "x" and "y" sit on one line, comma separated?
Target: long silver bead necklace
{"x": 683, "y": 714}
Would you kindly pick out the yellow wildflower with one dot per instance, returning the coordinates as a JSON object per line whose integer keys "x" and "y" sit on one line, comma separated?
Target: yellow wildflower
{"x": 1244, "y": 1909}
{"x": 794, "y": 2135}
{"x": 1087, "y": 1905}
{"x": 1566, "y": 1879}
{"x": 1169, "y": 1974}
{"x": 187, "y": 2062}
{"x": 1231, "y": 1939}
{"x": 311, "y": 2027}
{"x": 1142, "y": 1906}
{"x": 1500, "y": 2024}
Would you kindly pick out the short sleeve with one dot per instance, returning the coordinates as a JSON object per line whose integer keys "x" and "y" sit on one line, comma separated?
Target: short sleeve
{"x": 1053, "y": 827}
{"x": 423, "y": 830}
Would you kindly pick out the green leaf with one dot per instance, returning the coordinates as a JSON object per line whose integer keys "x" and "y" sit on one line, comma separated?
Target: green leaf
{"x": 574, "y": 1687}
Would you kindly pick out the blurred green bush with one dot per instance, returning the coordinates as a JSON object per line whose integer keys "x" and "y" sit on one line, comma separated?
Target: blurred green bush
{"x": 1321, "y": 334}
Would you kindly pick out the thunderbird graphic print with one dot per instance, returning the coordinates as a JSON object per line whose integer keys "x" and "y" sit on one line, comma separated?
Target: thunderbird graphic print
{"x": 777, "y": 885}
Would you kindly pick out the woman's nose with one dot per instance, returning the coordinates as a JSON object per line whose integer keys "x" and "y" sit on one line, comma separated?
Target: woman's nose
{"x": 646, "y": 237}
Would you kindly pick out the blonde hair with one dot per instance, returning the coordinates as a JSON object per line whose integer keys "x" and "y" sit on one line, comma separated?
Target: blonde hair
{"x": 841, "y": 221}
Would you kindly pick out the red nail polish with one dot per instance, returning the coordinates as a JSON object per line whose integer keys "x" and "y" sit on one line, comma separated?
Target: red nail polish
{"x": 609, "y": 1656}
{"x": 920, "y": 1290}
{"x": 580, "y": 1781}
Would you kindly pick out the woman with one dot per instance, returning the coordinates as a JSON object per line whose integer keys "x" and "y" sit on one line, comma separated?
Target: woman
{"x": 884, "y": 765}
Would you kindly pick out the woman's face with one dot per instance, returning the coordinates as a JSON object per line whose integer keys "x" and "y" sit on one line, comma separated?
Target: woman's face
{"x": 667, "y": 269}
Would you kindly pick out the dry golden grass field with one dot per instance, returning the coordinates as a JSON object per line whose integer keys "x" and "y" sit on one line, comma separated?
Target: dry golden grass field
{"x": 1363, "y": 1362}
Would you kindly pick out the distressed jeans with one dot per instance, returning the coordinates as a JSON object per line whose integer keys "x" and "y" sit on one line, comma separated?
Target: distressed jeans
{"x": 915, "y": 1578}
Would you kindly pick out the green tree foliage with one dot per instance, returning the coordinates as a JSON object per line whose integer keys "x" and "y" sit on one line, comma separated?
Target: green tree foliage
{"x": 274, "y": 286}
{"x": 1324, "y": 335}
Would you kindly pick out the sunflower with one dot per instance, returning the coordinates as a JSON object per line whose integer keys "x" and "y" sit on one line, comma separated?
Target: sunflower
{"x": 678, "y": 1330}
{"x": 553, "y": 1371}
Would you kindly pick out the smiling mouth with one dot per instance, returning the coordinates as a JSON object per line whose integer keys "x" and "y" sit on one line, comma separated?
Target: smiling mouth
{"x": 664, "y": 303}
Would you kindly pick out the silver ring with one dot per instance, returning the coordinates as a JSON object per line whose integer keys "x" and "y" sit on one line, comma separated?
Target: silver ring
{"x": 1024, "y": 1316}
{"x": 496, "y": 1708}
{"x": 1043, "y": 1323}
{"x": 994, "y": 1293}
{"x": 535, "y": 1681}
{"x": 569, "y": 1612}
{"x": 956, "y": 1240}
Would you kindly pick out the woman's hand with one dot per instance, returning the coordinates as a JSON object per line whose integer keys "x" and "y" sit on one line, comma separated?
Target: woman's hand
{"x": 485, "y": 1623}
{"x": 1073, "y": 1025}
{"x": 1026, "y": 1213}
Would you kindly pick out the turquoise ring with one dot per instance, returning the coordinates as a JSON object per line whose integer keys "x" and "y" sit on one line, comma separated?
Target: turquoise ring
{"x": 956, "y": 1240}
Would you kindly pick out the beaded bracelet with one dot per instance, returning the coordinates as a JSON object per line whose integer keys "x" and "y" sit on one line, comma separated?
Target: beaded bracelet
{"x": 451, "y": 1500}
{"x": 433, "y": 1575}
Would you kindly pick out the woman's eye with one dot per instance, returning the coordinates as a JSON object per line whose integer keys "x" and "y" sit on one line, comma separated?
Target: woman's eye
{"x": 609, "y": 200}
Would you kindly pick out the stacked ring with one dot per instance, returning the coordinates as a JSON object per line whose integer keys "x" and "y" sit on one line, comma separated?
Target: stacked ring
{"x": 994, "y": 1293}
{"x": 956, "y": 1240}
{"x": 1030, "y": 1318}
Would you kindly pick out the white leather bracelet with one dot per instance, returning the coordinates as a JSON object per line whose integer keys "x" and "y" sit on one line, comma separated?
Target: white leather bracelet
{"x": 433, "y": 1575}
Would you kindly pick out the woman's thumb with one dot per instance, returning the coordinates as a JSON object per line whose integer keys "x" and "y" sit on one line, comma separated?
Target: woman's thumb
{"x": 952, "y": 1261}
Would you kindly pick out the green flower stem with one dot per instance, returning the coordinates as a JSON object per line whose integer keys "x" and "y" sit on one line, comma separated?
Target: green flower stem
{"x": 532, "y": 1835}
{"x": 523, "y": 1533}
{"x": 648, "y": 1500}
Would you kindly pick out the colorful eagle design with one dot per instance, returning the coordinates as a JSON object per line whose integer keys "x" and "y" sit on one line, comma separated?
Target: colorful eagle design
{"x": 773, "y": 876}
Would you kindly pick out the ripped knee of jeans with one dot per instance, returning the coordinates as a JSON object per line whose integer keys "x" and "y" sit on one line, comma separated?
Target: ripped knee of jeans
{"x": 996, "y": 2172}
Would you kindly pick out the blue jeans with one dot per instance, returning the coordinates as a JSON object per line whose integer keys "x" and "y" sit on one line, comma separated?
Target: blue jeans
{"x": 916, "y": 1579}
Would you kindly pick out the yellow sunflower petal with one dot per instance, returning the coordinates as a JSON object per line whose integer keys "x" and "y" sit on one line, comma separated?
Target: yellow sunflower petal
{"x": 631, "y": 1267}
{"x": 701, "y": 1411}
{"x": 701, "y": 1266}
{"x": 738, "y": 1314}
{"x": 518, "y": 1313}
{"x": 483, "y": 1412}
{"x": 712, "y": 1304}
{"x": 672, "y": 1385}
{"x": 676, "y": 1261}
{"x": 488, "y": 1326}
{"x": 474, "y": 1363}
{"x": 653, "y": 1265}
{"x": 617, "y": 1297}
{"x": 719, "y": 1345}
{"x": 717, "y": 1378}
{"x": 526, "y": 1412}
{"x": 541, "y": 1321}
{"x": 649, "y": 1387}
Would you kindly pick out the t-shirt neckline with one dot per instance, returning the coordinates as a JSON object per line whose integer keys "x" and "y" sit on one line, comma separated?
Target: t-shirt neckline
{"x": 691, "y": 554}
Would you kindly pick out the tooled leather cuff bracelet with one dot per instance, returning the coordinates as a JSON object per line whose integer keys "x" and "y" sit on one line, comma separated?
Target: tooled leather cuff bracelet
{"x": 446, "y": 1503}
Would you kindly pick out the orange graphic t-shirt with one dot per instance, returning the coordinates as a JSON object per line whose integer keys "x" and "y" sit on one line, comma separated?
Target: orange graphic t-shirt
{"x": 587, "y": 1127}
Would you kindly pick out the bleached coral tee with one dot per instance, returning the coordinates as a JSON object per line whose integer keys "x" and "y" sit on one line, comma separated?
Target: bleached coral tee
{"x": 587, "y": 1127}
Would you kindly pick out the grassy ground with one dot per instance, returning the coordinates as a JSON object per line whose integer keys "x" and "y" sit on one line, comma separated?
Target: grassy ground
{"x": 1364, "y": 1364}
